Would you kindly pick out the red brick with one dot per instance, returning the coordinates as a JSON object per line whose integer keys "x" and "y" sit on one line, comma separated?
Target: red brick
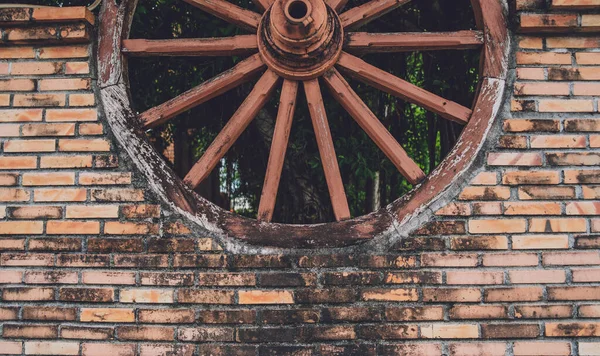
{"x": 92, "y": 211}
{"x": 531, "y": 73}
{"x": 14, "y": 195}
{"x": 129, "y": 228}
{"x": 570, "y": 258}
{"x": 17, "y": 52}
{"x": 543, "y": 58}
{"x": 49, "y": 313}
{"x": 51, "y": 277}
{"x": 552, "y": 89}
{"x": 527, "y": 208}
{"x": 30, "y": 331}
{"x": 69, "y": 115}
{"x": 205, "y": 296}
{"x": 546, "y": 193}
{"x": 516, "y": 294}
{"x": 146, "y": 333}
{"x": 64, "y": 84}
{"x": 107, "y": 315}
{"x": 474, "y": 277}
{"x": 514, "y": 159}
{"x": 573, "y": 293}
{"x": 28, "y": 294}
{"x": 36, "y": 68}
{"x": 48, "y": 179}
{"x": 478, "y": 312}
{"x": 537, "y": 276}
{"x": 477, "y": 349}
{"x": 103, "y": 349}
{"x": 557, "y": 225}
{"x": 450, "y": 331}
{"x": 113, "y": 178}
{"x": 66, "y": 162}
{"x": 442, "y": 295}
{"x": 448, "y": 260}
{"x": 85, "y": 100}
{"x": 21, "y": 227}
{"x": 51, "y": 348}
{"x": 510, "y": 331}
{"x": 497, "y": 226}
{"x": 29, "y": 146}
{"x": 485, "y": 193}
{"x": 548, "y": 22}
{"x": 108, "y": 277}
{"x": 60, "y": 195}
{"x": 11, "y": 347}
{"x": 17, "y": 85}
{"x": 166, "y": 316}
{"x": 530, "y": 177}
{"x": 146, "y": 296}
{"x": 543, "y": 311}
{"x": 586, "y": 275}
{"x": 81, "y": 145}
{"x": 76, "y": 51}
{"x": 265, "y": 297}
{"x": 390, "y": 295}
{"x": 541, "y": 348}
{"x": 572, "y": 329}
{"x": 540, "y": 242}
{"x": 72, "y": 227}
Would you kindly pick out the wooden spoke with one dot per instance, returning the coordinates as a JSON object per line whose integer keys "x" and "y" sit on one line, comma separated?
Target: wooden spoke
{"x": 229, "y": 12}
{"x": 236, "y": 45}
{"x": 211, "y": 88}
{"x": 382, "y": 80}
{"x": 281, "y": 134}
{"x": 412, "y": 41}
{"x": 326, "y": 150}
{"x": 233, "y": 129}
{"x": 263, "y": 4}
{"x": 353, "y": 104}
{"x": 360, "y": 15}
{"x": 337, "y": 5}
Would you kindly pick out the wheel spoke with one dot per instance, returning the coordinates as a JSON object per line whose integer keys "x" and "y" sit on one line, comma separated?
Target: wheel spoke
{"x": 236, "y": 45}
{"x": 412, "y": 41}
{"x": 233, "y": 129}
{"x": 229, "y": 12}
{"x": 211, "y": 88}
{"x": 281, "y": 134}
{"x": 326, "y": 150}
{"x": 365, "y": 13}
{"x": 353, "y": 104}
{"x": 263, "y": 4}
{"x": 337, "y": 5}
{"x": 382, "y": 80}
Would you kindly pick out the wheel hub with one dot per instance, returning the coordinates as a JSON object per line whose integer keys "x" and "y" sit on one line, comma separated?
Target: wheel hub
{"x": 300, "y": 39}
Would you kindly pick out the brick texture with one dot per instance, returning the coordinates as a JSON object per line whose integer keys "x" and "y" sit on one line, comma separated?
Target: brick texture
{"x": 92, "y": 264}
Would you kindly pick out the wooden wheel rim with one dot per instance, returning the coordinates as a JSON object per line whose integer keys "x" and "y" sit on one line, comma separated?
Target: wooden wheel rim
{"x": 238, "y": 233}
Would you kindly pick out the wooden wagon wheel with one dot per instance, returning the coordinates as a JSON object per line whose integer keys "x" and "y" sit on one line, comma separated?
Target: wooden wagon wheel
{"x": 309, "y": 44}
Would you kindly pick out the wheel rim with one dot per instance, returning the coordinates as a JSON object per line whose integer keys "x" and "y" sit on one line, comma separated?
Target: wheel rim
{"x": 491, "y": 36}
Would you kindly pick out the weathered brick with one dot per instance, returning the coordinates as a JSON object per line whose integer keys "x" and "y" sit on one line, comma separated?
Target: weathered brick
{"x": 265, "y": 297}
{"x": 543, "y": 311}
{"x": 578, "y": 329}
{"x": 205, "y": 296}
{"x": 516, "y": 294}
{"x": 107, "y": 315}
{"x": 146, "y": 296}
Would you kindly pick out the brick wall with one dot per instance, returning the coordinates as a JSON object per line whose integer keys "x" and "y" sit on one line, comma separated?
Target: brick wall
{"x": 92, "y": 264}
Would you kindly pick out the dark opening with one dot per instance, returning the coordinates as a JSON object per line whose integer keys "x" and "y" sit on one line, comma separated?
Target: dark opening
{"x": 297, "y": 9}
